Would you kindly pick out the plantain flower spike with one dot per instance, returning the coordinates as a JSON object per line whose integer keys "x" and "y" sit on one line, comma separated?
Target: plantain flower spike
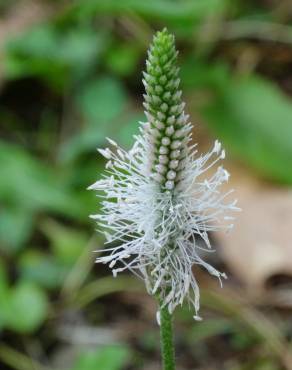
{"x": 158, "y": 203}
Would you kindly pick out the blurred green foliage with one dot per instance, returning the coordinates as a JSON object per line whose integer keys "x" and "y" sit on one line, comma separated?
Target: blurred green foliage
{"x": 254, "y": 119}
{"x": 25, "y": 298}
{"x": 109, "y": 358}
{"x": 74, "y": 78}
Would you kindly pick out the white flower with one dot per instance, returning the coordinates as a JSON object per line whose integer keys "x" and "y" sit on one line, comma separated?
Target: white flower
{"x": 159, "y": 200}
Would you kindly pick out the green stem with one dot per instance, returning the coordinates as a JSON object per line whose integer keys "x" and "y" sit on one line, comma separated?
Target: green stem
{"x": 166, "y": 337}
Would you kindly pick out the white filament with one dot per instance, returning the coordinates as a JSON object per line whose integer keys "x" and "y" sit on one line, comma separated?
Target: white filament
{"x": 156, "y": 230}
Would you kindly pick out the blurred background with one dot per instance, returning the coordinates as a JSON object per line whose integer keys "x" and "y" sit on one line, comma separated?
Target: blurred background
{"x": 70, "y": 75}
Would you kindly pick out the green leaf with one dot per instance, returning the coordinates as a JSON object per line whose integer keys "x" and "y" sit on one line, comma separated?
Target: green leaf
{"x": 32, "y": 185}
{"x": 102, "y": 103}
{"x": 102, "y": 100}
{"x": 87, "y": 140}
{"x": 4, "y": 294}
{"x": 56, "y": 55}
{"x": 108, "y": 358}
{"x": 165, "y": 10}
{"x": 253, "y": 118}
{"x": 28, "y": 308}
{"x": 34, "y": 53}
{"x": 39, "y": 41}
{"x": 41, "y": 269}
{"x": 199, "y": 73}
{"x": 122, "y": 59}
{"x": 16, "y": 225}
{"x": 3, "y": 278}
{"x": 129, "y": 128}
{"x": 208, "y": 328}
{"x": 67, "y": 243}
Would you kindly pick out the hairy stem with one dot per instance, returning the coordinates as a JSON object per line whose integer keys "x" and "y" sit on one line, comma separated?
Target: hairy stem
{"x": 166, "y": 337}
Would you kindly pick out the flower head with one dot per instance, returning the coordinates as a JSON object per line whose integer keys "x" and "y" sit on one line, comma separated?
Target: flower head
{"x": 158, "y": 202}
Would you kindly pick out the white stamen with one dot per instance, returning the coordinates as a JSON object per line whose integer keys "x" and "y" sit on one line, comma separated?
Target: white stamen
{"x": 106, "y": 153}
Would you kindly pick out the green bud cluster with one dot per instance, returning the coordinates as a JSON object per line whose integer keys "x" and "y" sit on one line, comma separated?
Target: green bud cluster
{"x": 167, "y": 129}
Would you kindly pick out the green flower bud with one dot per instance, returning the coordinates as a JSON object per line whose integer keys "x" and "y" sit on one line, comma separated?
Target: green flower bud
{"x": 164, "y": 109}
